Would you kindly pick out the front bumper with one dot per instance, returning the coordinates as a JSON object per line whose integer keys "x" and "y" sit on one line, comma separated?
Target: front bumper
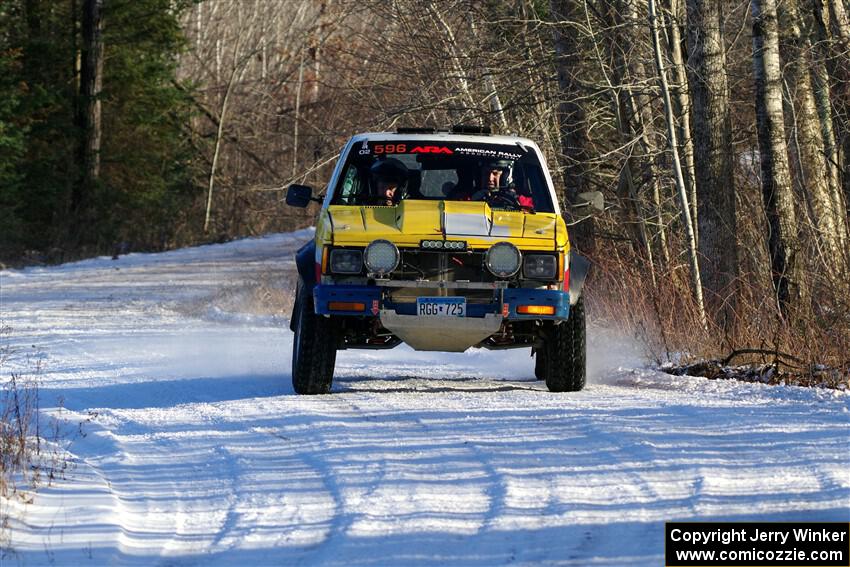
{"x": 376, "y": 298}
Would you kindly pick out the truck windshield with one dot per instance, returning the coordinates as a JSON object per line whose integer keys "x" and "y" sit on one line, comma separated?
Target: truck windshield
{"x": 442, "y": 170}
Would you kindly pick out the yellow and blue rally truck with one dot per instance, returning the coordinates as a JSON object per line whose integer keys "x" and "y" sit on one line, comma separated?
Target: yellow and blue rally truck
{"x": 444, "y": 240}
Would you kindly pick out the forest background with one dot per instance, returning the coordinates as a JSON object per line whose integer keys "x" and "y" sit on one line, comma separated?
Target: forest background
{"x": 718, "y": 131}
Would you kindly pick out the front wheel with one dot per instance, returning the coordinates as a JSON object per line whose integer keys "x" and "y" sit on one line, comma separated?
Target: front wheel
{"x": 314, "y": 347}
{"x": 566, "y": 353}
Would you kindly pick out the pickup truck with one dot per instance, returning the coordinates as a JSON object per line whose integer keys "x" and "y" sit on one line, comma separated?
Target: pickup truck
{"x": 444, "y": 240}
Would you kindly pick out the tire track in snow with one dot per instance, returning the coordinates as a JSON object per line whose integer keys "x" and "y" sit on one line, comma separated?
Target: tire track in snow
{"x": 343, "y": 516}
{"x": 130, "y": 517}
{"x": 304, "y": 452}
{"x": 495, "y": 491}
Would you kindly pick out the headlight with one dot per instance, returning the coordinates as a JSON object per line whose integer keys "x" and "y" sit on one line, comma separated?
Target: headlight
{"x": 503, "y": 259}
{"x": 381, "y": 257}
{"x": 346, "y": 261}
{"x": 540, "y": 267}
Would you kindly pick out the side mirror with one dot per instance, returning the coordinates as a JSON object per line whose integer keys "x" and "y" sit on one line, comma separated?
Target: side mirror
{"x": 299, "y": 195}
{"x": 591, "y": 199}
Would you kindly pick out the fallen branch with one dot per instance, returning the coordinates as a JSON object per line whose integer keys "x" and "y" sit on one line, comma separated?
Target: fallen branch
{"x": 775, "y": 353}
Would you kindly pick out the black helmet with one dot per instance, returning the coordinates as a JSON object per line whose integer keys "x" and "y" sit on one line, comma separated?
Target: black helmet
{"x": 389, "y": 169}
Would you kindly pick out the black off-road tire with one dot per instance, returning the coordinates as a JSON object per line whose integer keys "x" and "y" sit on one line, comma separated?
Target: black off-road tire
{"x": 313, "y": 348}
{"x": 566, "y": 353}
{"x": 540, "y": 364}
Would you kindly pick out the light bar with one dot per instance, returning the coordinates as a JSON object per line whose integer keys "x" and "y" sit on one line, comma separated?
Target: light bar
{"x": 415, "y": 130}
{"x": 470, "y": 129}
{"x": 456, "y": 245}
{"x": 536, "y": 309}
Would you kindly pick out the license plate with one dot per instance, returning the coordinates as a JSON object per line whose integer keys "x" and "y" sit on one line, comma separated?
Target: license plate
{"x": 441, "y": 306}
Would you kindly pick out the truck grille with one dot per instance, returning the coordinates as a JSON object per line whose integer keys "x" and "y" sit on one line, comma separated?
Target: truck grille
{"x": 459, "y": 266}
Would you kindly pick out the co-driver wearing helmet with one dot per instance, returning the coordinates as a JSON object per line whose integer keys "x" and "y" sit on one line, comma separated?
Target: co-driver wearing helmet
{"x": 388, "y": 180}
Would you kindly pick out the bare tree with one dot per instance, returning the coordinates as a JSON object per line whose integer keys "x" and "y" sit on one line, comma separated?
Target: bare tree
{"x": 813, "y": 170}
{"x": 682, "y": 104}
{"x": 492, "y": 93}
{"x": 450, "y": 43}
{"x": 246, "y": 61}
{"x": 822, "y": 91}
{"x": 834, "y": 36}
{"x": 779, "y": 203}
{"x": 624, "y": 97}
{"x": 641, "y": 112}
{"x": 88, "y": 118}
{"x": 242, "y": 54}
{"x": 712, "y": 135}
{"x": 677, "y": 167}
{"x": 571, "y": 117}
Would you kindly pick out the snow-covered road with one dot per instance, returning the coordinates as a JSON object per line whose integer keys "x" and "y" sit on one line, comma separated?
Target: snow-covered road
{"x": 188, "y": 446}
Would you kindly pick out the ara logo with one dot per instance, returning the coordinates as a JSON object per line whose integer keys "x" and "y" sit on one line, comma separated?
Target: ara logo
{"x": 431, "y": 150}
{"x": 364, "y": 148}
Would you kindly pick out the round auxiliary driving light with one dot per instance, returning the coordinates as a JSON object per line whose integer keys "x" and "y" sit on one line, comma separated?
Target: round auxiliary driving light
{"x": 503, "y": 259}
{"x": 381, "y": 257}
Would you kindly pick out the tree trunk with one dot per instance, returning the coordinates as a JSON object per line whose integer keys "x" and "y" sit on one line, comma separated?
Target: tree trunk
{"x": 833, "y": 80}
{"x": 822, "y": 71}
{"x": 454, "y": 59}
{"x": 571, "y": 117}
{"x": 683, "y": 108}
{"x": 713, "y": 156}
{"x": 841, "y": 79}
{"x": 316, "y": 52}
{"x": 297, "y": 116}
{"x": 813, "y": 168}
{"x": 677, "y": 167}
{"x": 492, "y": 97}
{"x": 644, "y": 119}
{"x": 219, "y": 136}
{"x": 88, "y": 119}
{"x": 777, "y": 192}
{"x": 631, "y": 211}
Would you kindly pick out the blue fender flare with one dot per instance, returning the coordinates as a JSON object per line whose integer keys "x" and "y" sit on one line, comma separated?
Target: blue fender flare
{"x": 305, "y": 262}
{"x": 579, "y": 267}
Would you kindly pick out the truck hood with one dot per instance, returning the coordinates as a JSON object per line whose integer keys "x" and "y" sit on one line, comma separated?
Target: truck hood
{"x": 411, "y": 221}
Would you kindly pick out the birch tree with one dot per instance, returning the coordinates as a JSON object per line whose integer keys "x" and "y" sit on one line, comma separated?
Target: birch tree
{"x": 713, "y": 152}
{"x": 677, "y": 167}
{"x": 779, "y": 203}
{"x": 682, "y": 103}
{"x": 822, "y": 89}
{"x": 833, "y": 25}
{"x": 813, "y": 169}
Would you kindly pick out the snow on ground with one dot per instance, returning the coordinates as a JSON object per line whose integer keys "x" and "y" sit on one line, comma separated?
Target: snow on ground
{"x": 188, "y": 446}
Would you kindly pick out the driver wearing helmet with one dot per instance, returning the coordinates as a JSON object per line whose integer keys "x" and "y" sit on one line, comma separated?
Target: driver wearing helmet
{"x": 492, "y": 190}
{"x": 487, "y": 183}
{"x": 388, "y": 178}
{"x": 491, "y": 177}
